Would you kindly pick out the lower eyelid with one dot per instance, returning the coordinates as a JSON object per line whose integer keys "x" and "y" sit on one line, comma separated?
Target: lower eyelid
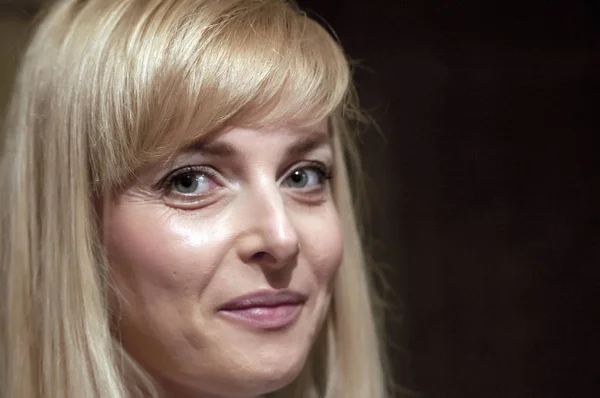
{"x": 194, "y": 202}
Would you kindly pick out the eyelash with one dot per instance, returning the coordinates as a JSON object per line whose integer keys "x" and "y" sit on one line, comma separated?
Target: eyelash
{"x": 324, "y": 171}
{"x": 166, "y": 184}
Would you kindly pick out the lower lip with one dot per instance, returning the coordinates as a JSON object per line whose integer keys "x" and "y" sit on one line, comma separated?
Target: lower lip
{"x": 265, "y": 317}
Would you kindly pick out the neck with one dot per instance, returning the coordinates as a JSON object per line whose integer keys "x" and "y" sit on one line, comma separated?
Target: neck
{"x": 170, "y": 389}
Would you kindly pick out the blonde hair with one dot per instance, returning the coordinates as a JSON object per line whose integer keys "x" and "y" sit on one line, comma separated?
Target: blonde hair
{"x": 107, "y": 86}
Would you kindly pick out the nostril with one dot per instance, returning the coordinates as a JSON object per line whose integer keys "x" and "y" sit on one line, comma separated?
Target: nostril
{"x": 259, "y": 256}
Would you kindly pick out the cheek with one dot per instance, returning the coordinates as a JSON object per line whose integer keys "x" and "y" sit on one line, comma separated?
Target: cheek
{"x": 154, "y": 254}
{"x": 322, "y": 244}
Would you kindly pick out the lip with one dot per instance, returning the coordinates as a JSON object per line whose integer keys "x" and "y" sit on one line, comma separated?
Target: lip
{"x": 265, "y": 309}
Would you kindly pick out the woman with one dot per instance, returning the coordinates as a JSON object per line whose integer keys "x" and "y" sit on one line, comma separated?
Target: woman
{"x": 177, "y": 219}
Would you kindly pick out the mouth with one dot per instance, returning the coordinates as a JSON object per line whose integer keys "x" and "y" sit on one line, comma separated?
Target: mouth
{"x": 266, "y": 309}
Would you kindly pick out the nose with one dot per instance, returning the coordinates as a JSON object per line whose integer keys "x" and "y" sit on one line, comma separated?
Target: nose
{"x": 270, "y": 238}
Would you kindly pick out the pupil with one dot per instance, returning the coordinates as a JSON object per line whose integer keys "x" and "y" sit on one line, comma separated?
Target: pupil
{"x": 187, "y": 181}
{"x": 298, "y": 177}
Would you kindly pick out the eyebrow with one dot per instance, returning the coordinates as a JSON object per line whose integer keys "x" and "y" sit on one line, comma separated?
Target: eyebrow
{"x": 307, "y": 143}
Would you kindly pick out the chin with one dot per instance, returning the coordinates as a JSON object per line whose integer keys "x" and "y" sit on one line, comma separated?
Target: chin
{"x": 272, "y": 367}
{"x": 252, "y": 363}
{"x": 265, "y": 381}
{"x": 265, "y": 375}
{"x": 269, "y": 360}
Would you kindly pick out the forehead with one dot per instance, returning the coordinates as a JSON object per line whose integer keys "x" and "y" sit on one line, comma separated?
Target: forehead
{"x": 316, "y": 131}
{"x": 232, "y": 141}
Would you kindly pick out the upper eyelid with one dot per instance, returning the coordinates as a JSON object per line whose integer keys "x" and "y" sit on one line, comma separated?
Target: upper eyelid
{"x": 324, "y": 168}
{"x": 199, "y": 169}
{"x": 213, "y": 172}
{"x": 308, "y": 164}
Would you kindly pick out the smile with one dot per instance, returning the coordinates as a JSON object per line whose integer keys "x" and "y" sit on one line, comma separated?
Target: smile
{"x": 269, "y": 309}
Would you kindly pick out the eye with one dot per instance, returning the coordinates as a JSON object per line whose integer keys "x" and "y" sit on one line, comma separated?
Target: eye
{"x": 308, "y": 177}
{"x": 190, "y": 181}
{"x": 192, "y": 184}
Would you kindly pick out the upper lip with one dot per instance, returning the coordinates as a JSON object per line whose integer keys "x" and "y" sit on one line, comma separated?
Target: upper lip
{"x": 265, "y": 298}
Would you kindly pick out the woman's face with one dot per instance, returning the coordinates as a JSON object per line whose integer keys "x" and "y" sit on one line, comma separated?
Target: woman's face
{"x": 223, "y": 258}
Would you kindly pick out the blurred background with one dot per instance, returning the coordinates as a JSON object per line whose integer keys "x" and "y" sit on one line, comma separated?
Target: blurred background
{"x": 484, "y": 187}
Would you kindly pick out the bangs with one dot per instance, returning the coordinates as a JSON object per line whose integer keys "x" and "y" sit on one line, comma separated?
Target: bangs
{"x": 175, "y": 72}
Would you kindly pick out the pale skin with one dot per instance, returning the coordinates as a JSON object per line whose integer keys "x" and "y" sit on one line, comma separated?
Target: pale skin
{"x": 249, "y": 210}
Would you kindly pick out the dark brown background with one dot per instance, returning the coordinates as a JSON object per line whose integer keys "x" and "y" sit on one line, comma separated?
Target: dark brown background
{"x": 485, "y": 188}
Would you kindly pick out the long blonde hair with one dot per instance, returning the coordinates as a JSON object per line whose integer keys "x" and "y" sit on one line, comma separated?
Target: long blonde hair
{"x": 107, "y": 86}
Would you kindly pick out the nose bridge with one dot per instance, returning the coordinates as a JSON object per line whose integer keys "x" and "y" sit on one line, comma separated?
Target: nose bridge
{"x": 270, "y": 222}
{"x": 274, "y": 219}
